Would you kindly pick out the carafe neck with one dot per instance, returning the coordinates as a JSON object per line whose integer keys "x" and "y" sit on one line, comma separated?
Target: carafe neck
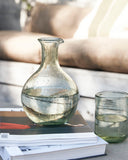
{"x": 50, "y": 51}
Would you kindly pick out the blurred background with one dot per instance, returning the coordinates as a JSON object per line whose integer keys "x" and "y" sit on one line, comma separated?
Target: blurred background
{"x": 14, "y": 14}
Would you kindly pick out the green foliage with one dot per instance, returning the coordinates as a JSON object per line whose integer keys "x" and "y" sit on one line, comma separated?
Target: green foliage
{"x": 27, "y": 6}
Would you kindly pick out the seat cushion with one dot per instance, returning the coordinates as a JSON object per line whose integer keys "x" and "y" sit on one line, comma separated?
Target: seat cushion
{"x": 58, "y": 20}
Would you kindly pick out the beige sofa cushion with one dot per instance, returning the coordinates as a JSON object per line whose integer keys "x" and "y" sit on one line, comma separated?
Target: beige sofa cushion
{"x": 94, "y": 53}
{"x": 57, "y": 20}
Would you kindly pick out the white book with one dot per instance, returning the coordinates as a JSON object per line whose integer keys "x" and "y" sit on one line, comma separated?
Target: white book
{"x": 56, "y": 139}
{"x": 58, "y": 152}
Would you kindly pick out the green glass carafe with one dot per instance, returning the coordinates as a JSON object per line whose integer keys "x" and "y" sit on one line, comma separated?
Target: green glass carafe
{"x": 50, "y": 96}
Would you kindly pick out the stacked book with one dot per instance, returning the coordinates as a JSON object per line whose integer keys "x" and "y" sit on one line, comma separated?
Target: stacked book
{"x": 21, "y": 139}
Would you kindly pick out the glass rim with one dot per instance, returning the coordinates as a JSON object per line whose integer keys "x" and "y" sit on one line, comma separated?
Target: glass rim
{"x": 111, "y": 94}
{"x": 50, "y": 39}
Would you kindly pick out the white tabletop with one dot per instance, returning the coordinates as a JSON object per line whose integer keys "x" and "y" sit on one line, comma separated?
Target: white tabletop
{"x": 10, "y": 90}
{"x": 117, "y": 151}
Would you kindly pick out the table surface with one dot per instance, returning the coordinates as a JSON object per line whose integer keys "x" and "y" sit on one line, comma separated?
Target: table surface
{"x": 117, "y": 151}
{"x": 17, "y": 73}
